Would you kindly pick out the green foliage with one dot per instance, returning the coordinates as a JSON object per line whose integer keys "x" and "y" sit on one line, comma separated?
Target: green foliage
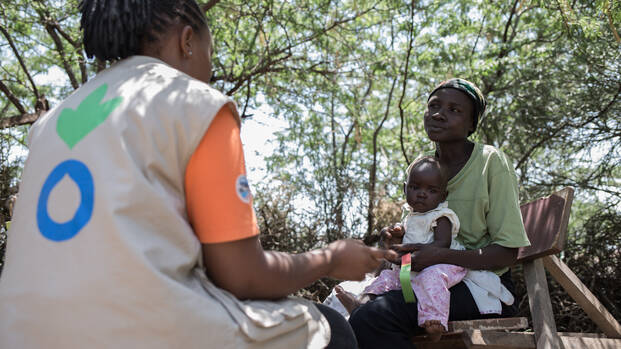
{"x": 594, "y": 255}
{"x": 9, "y": 173}
{"x": 351, "y": 78}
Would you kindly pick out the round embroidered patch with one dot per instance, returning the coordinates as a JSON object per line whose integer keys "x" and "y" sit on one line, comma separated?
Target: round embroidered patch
{"x": 242, "y": 188}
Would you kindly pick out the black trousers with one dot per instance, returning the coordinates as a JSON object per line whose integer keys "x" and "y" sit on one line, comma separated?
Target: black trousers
{"x": 389, "y": 322}
{"x": 342, "y": 335}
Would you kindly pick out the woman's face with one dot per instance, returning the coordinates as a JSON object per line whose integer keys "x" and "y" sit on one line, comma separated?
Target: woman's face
{"x": 448, "y": 116}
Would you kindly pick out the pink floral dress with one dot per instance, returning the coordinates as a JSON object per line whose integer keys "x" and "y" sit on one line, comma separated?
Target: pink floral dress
{"x": 431, "y": 285}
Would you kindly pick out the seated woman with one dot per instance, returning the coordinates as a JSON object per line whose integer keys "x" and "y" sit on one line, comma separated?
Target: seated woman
{"x": 483, "y": 191}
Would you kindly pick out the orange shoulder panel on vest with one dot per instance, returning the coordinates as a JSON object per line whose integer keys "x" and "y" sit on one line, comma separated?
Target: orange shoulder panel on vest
{"x": 218, "y": 198}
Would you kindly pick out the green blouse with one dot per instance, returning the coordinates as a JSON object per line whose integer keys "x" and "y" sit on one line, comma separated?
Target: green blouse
{"x": 484, "y": 194}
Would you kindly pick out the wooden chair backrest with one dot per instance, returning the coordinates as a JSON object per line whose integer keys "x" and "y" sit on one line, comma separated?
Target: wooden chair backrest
{"x": 545, "y": 221}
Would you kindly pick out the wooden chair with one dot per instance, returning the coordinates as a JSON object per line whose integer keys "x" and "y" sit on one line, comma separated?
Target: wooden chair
{"x": 545, "y": 221}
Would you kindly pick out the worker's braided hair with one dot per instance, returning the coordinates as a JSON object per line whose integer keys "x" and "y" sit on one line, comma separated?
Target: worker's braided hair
{"x": 115, "y": 29}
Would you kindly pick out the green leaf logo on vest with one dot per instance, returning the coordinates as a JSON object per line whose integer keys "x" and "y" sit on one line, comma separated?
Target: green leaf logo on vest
{"x": 74, "y": 125}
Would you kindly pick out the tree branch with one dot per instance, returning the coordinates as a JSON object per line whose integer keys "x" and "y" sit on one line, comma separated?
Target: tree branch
{"x": 405, "y": 81}
{"x": 5, "y": 89}
{"x": 65, "y": 35}
{"x": 243, "y": 114}
{"x": 23, "y": 119}
{"x": 508, "y": 24}
{"x": 354, "y": 125}
{"x": 345, "y": 142}
{"x": 61, "y": 51}
{"x": 5, "y": 108}
{"x": 19, "y": 59}
{"x": 503, "y": 51}
{"x": 77, "y": 45}
{"x": 262, "y": 68}
{"x": 565, "y": 124}
{"x": 476, "y": 42}
{"x": 53, "y": 29}
{"x": 209, "y": 5}
{"x": 611, "y": 23}
{"x": 373, "y": 171}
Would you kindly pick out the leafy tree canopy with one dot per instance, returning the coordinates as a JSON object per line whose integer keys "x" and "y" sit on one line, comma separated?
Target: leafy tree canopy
{"x": 351, "y": 78}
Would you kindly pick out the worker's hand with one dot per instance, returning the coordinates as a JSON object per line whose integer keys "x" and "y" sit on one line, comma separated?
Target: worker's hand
{"x": 392, "y": 235}
{"x": 351, "y": 259}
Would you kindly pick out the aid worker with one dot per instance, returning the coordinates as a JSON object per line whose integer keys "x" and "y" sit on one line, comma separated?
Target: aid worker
{"x": 134, "y": 225}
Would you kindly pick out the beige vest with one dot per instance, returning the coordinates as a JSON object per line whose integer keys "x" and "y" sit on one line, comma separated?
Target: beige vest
{"x": 100, "y": 252}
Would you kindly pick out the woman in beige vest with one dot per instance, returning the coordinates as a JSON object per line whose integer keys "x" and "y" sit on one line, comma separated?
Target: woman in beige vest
{"x": 134, "y": 225}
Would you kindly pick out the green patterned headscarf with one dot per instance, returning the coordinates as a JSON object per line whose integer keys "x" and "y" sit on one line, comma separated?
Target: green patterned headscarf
{"x": 472, "y": 91}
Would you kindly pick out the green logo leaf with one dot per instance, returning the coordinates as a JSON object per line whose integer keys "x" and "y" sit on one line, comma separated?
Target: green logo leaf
{"x": 73, "y": 125}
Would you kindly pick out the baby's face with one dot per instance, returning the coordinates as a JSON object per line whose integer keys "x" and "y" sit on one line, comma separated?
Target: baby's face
{"x": 425, "y": 189}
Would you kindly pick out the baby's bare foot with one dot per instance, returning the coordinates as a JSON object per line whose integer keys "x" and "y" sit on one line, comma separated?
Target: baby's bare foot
{"x": 434, "y": 329}
{"x": 347, "y": 299}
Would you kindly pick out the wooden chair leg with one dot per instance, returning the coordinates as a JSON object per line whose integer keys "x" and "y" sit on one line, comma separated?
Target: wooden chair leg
{"x": 583, "y": 296}
{"x": 540, "y": 305}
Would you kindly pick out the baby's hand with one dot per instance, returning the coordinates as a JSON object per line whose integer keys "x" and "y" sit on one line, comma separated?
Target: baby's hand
{"x": 392, "y": 235}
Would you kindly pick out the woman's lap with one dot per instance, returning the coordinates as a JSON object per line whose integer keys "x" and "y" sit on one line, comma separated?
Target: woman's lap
{"x": 385, "y": 322}
{"x": 390, "y": 322}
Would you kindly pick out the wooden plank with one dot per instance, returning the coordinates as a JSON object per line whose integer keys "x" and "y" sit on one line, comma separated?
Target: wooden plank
{"x": 540, "y": 305}
{"x": 455, "y": 344}
{"x": 579, "y": 334}
{"x": 477, "y": 339}
{"x": 450, "y": 341}
{"x": 545, "y": 221}
{"x": 446, "y": 337}
{"x": 590, "y": 343}
{"x": 453, "y": 336}
{"x": 583, "y": 296}
{"x": 513, "y": 323}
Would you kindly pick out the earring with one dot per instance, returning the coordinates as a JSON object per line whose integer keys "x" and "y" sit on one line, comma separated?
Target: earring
{"x": 190, "y": 53}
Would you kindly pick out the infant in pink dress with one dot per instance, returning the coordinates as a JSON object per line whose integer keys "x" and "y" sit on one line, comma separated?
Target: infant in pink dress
{"x": 429, "y": 221}
{"x": 431, "y": 285}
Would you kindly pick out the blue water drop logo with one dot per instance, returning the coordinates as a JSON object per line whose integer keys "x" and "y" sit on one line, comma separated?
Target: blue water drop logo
{"x": 79, "y": 173}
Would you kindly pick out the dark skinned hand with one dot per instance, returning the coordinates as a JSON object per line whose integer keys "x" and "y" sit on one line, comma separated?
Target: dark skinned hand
{"x": 391, "y": 235}
{"x": 423, "y": 255}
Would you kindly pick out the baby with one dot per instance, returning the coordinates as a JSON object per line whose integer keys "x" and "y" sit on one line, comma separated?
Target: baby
{"x": 429, "y": 221}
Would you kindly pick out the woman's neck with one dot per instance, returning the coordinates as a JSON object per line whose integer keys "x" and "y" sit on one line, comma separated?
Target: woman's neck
{"x": 454, "y": 156}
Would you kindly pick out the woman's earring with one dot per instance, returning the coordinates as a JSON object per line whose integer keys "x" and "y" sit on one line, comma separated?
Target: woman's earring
{"x": 190, "y": 53}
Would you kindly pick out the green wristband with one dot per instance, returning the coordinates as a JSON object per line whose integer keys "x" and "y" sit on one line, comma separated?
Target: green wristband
{"x": 404, "y": 278}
